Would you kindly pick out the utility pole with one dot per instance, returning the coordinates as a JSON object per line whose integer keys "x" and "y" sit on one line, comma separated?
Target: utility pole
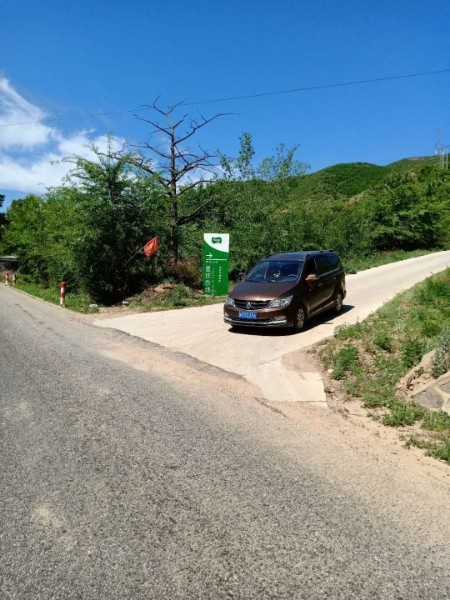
{"x": 442, "y": 151}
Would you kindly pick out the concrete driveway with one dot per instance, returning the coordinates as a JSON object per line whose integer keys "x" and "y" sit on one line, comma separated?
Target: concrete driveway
{"x": 264, "y": 358}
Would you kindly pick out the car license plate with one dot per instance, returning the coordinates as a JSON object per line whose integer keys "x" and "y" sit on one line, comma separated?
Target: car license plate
{"x": 247, "y": 315}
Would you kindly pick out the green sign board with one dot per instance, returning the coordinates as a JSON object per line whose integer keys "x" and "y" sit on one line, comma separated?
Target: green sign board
{"x": 215, "y": 263}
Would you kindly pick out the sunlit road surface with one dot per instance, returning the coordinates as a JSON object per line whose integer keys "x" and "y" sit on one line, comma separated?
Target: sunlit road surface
{"x": 258, "y": 355}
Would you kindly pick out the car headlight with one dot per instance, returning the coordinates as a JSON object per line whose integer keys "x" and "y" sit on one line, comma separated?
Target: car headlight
{"x": 229, "y": 301}
{"x": 280, "y": 302}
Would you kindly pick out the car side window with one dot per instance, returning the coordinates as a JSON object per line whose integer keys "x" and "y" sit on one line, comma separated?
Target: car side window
{"x": 322, "y": 264}
{"x": 310, "y": 268}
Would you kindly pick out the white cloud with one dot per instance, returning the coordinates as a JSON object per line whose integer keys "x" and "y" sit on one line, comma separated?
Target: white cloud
{"x": 30, "y": 151}
{"x": 20, "y": 122}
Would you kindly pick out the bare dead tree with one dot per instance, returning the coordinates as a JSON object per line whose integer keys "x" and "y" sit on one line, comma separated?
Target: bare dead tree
{"x": 174, "y": 165}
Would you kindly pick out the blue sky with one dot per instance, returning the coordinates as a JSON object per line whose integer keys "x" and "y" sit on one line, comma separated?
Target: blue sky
{"x": 73, "y": 72}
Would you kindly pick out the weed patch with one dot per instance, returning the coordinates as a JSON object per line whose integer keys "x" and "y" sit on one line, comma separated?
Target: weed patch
{"x": 437, "y": 421}
{"x": 345, "y": 360}
{"x": 412, "y": 351}
{"x": 402, "y": 414}
{"x": 383, "y": 340}
{"x": 441, "y": 361}
{"x": 351, "y": 332}
{"x": 441, "y": 451}
{"x": 370, "y": 358}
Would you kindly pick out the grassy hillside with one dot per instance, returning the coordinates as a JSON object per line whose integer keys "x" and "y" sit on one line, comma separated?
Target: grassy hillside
{"x": 343, "y": 180}
{"x": 349, "y": 179}
{"x": 411, "y": 164}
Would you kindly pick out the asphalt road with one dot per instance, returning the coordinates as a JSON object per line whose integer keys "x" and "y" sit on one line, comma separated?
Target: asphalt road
{"x": 146, "y": 476}
{"x": 262, "y": 357}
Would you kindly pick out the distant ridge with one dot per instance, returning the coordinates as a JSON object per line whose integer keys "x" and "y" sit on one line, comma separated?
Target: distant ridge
{"x": 413, "y": 162}
{"x": 346, "y": 180}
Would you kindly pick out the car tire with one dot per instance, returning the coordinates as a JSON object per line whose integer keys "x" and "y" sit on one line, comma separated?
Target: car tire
{"x": 338, "y": 301}
{"x": 300, "y": 319}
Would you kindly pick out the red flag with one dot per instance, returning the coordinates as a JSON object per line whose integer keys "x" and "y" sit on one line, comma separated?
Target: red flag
{"x": 151, "y": 247}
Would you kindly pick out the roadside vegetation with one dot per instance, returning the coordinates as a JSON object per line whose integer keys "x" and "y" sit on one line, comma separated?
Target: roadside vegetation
{"x": 73, "y": 301}
{"x": 166, "y": 296}
{"x": 375, "y": 362}
{"x": 170, "y": 294}
{"x": 91, "y": 236}
{"x": 90, "y": 231}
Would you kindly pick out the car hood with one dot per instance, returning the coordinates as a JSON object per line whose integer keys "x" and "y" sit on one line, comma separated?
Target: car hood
{"x": 252, "y": 290}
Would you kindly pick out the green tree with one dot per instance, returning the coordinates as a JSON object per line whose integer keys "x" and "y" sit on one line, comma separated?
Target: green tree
{"x": 25, "y": 235}
{"x": 3, "y": 220}
{"x": 117, "y": 212}
{"x": 252, "y": 202}
{"x": 403, "y": 216}
{"x": 61, "y": 222}
{"x": 41, "y": 232}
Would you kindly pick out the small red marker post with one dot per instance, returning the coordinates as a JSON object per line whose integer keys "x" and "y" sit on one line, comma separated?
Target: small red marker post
{"x": 62, "y": 294}
{"x": 6, "y": 278}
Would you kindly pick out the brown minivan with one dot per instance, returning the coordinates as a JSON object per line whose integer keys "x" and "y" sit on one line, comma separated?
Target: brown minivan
{"x": 286, "y": 289}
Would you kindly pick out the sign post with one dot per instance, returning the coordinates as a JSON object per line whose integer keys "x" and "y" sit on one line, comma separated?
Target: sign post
{"x": 215, "y": 263}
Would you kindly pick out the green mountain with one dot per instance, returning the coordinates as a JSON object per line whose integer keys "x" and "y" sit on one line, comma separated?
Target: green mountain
{"x": 412, "y": 164}
{"x": 346, "y": 180}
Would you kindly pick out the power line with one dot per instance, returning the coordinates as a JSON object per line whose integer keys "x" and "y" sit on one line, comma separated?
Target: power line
{"x": 87, "y": 116}
{"x": 242, "y": 97}
{"x": 319, "y": 87}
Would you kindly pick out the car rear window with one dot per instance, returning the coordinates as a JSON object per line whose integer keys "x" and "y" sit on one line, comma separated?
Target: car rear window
{"x": 334, "y": 261}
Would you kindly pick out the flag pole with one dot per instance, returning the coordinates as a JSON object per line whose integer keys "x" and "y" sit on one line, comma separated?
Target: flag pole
{"x": 135, "y": 254}
{"x": 138, "y": 250}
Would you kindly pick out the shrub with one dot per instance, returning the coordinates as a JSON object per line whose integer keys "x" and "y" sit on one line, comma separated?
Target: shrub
{"x": 181, "y": 295}
{"x": 403, "y": 414}
{"x": 347, "y": 332}
{"x": 441, "y": 451}
{"x": 434, "y": 292}
{"x": 383, "y": 340}
{"x": 345, "y": 360}
{"x": 441, "y": 361}
{"x": 436, "y": 421}
{"x": 412, "y": 351}
{"x": 374, "y": 399}
{"x": 188, "y": 271}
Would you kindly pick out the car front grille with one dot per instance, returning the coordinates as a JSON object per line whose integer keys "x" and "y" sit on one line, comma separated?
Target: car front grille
{"x": 251, "y": 304}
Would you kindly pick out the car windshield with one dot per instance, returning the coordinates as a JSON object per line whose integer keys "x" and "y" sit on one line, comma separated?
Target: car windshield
{"x": 272, "y": 271}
